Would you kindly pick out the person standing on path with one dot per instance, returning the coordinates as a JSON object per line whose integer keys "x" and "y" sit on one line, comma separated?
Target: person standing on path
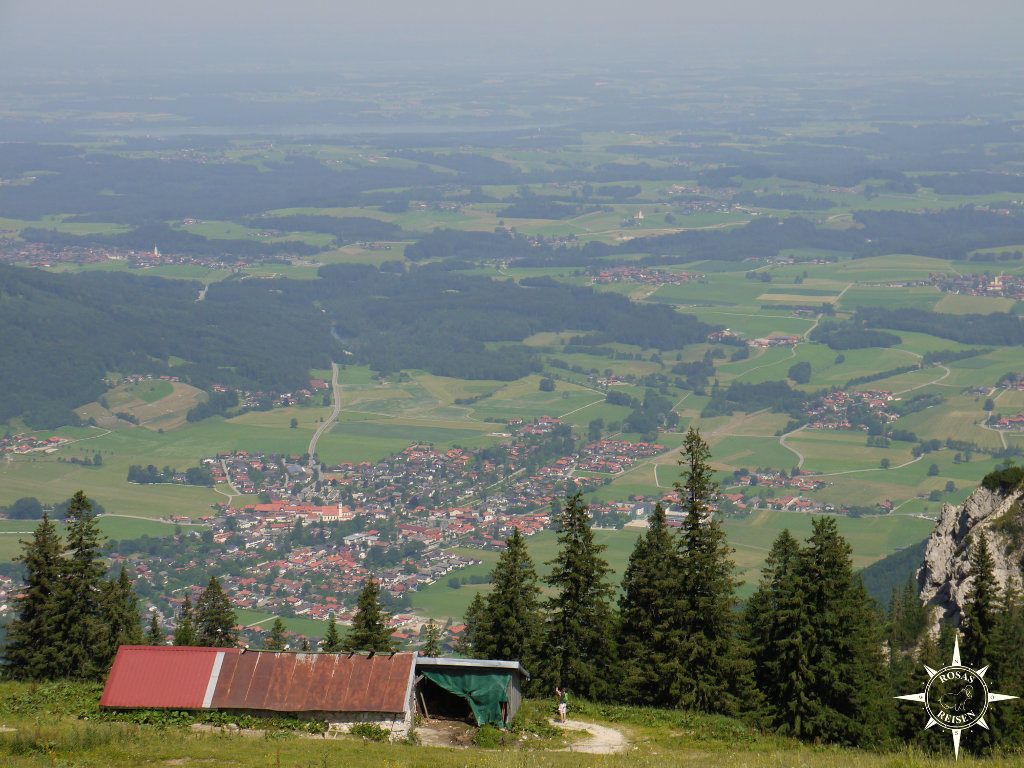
{"x": 563, "y": 703}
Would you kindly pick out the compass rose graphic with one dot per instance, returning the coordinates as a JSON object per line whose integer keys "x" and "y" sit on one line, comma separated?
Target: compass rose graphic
{"x": 956, "y": 697}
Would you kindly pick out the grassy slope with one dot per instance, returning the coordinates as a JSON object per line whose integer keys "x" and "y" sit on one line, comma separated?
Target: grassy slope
{"x": 49, "y": 731}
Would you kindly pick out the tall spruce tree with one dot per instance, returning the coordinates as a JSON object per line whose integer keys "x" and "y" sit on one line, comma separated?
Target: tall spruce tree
{"x": 776, "y": 629}
{"x": 369, "y": 631}
{"x": 33, "y": 649}
{"x": 185, "y": 626}
{"x": 845, "y": 686}
{"x": 711, "y": 673}
{"x": 275, "y": 640}
{"x": 472, "y": 639}
{"x": 906, "y": 630}
{"x": 981, "y": 617}
{"x": 79, "y": 612}
{"x": 1007, "y": 673}
{"x": 432, "y": 640}
{"x": 121, "y": 617}
{"x": 154, "y": 635}
{"x": 579, "y": 628}
{"x": 215, "y": 618}
{"x": 981, "y": 608}
{"x": 332, "y": 638}
{"x": 935, "y": 650}
{"x": 647, "y": 614}
{"x": 511, "y": 623}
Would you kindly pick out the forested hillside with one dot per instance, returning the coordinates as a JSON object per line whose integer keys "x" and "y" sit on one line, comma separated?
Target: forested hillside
{"x": 65, "y": 332}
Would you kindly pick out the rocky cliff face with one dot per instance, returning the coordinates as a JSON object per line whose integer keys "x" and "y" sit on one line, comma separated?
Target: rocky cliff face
{"x": 945, "y": 577}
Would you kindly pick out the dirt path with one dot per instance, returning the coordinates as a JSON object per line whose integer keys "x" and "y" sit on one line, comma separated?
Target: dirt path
{"x": 601, "y": 740}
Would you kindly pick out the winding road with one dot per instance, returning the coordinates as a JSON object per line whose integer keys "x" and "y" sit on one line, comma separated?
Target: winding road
{"x": 335, "y": 412}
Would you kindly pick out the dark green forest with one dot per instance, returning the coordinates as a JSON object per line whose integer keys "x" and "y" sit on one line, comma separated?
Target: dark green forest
{"x": 66, "y": 332}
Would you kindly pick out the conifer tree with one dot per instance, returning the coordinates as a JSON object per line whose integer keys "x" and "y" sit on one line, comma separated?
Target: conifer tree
{"x": 185, "y": 627}
{"x": 275, "y": 641}
{"x": 332, "y": 639}
{"x": 473, "y": 636}
{"x": 79, "y": 615}
{"x": 711, "y": 673}
{"x": 846, "y": 690}
{"x": 432, "y": 640}
{"x": 775, "y": 626}
{"x": 215, "y": 618}
{"x": 646, "y": 615}
{"x": 33, "y": 650}
{"x": 121, "y": 614}
{"x": 907, "y": 632}
{"x": 934, "y": 650}
{"x": 369, "y": 631}
{"x": 305, "y": 645}
{"x": 980, "y": 611}
{"x": 980, "y": 622}
{"x": 1007, "y": 673}
{"x": 511, "y": 622}
{"x": 154, "y": 635}
{"x": 579, "y": 632}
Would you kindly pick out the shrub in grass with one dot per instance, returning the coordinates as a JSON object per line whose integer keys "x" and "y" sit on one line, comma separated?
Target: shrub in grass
{"x": 370, "y": 732}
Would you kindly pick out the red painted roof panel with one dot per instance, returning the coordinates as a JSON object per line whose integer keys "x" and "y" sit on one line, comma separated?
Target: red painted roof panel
{"x": 160, "y": 677}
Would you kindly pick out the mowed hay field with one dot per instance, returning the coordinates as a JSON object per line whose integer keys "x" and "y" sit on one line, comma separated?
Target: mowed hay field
{"x": 155, "y": 403}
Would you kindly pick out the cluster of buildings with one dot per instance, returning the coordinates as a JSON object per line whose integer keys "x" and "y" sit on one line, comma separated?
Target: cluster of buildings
{"x": 835, "y": 410}
{"x": 996, "y": 286}
{"x": 27, "y": 443}
{"x": 776, "y": 340}
{"x": 43, "y": 255}
{"x": 1011, "y": 423}
{"x": 307, "y": 545}
{"x": 258, "y": 399}
{"x": 769, "y": 478}
{"x": 1014, "y": 380}
{"x": 615, "y": 456}
{"x": 647, "y": 276}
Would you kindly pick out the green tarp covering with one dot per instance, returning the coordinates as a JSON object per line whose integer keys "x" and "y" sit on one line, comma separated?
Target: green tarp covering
{"x": 485, "y": 691}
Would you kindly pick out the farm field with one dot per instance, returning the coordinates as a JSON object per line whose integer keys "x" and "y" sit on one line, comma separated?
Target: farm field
{"x": 113, "y": 527}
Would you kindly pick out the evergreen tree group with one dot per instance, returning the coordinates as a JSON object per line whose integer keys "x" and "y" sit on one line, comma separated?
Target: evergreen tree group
{"x": 71, "y": 619}
{"x": 805, "y": 657}
{"x": 815, "y": 641}
{"x": 211, "y": 623}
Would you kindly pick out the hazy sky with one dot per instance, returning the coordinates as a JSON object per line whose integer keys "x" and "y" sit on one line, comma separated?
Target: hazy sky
{"x": 141, "y": 35}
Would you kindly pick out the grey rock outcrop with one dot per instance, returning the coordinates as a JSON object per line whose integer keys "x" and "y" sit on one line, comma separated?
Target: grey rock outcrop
{"x": 945, "y": 578}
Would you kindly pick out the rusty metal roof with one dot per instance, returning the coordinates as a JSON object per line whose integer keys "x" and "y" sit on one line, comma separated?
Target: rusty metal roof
{"x": 164, "y": 677}
{"x": 161, "y": 677}
{"x": 315, "y": 682}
